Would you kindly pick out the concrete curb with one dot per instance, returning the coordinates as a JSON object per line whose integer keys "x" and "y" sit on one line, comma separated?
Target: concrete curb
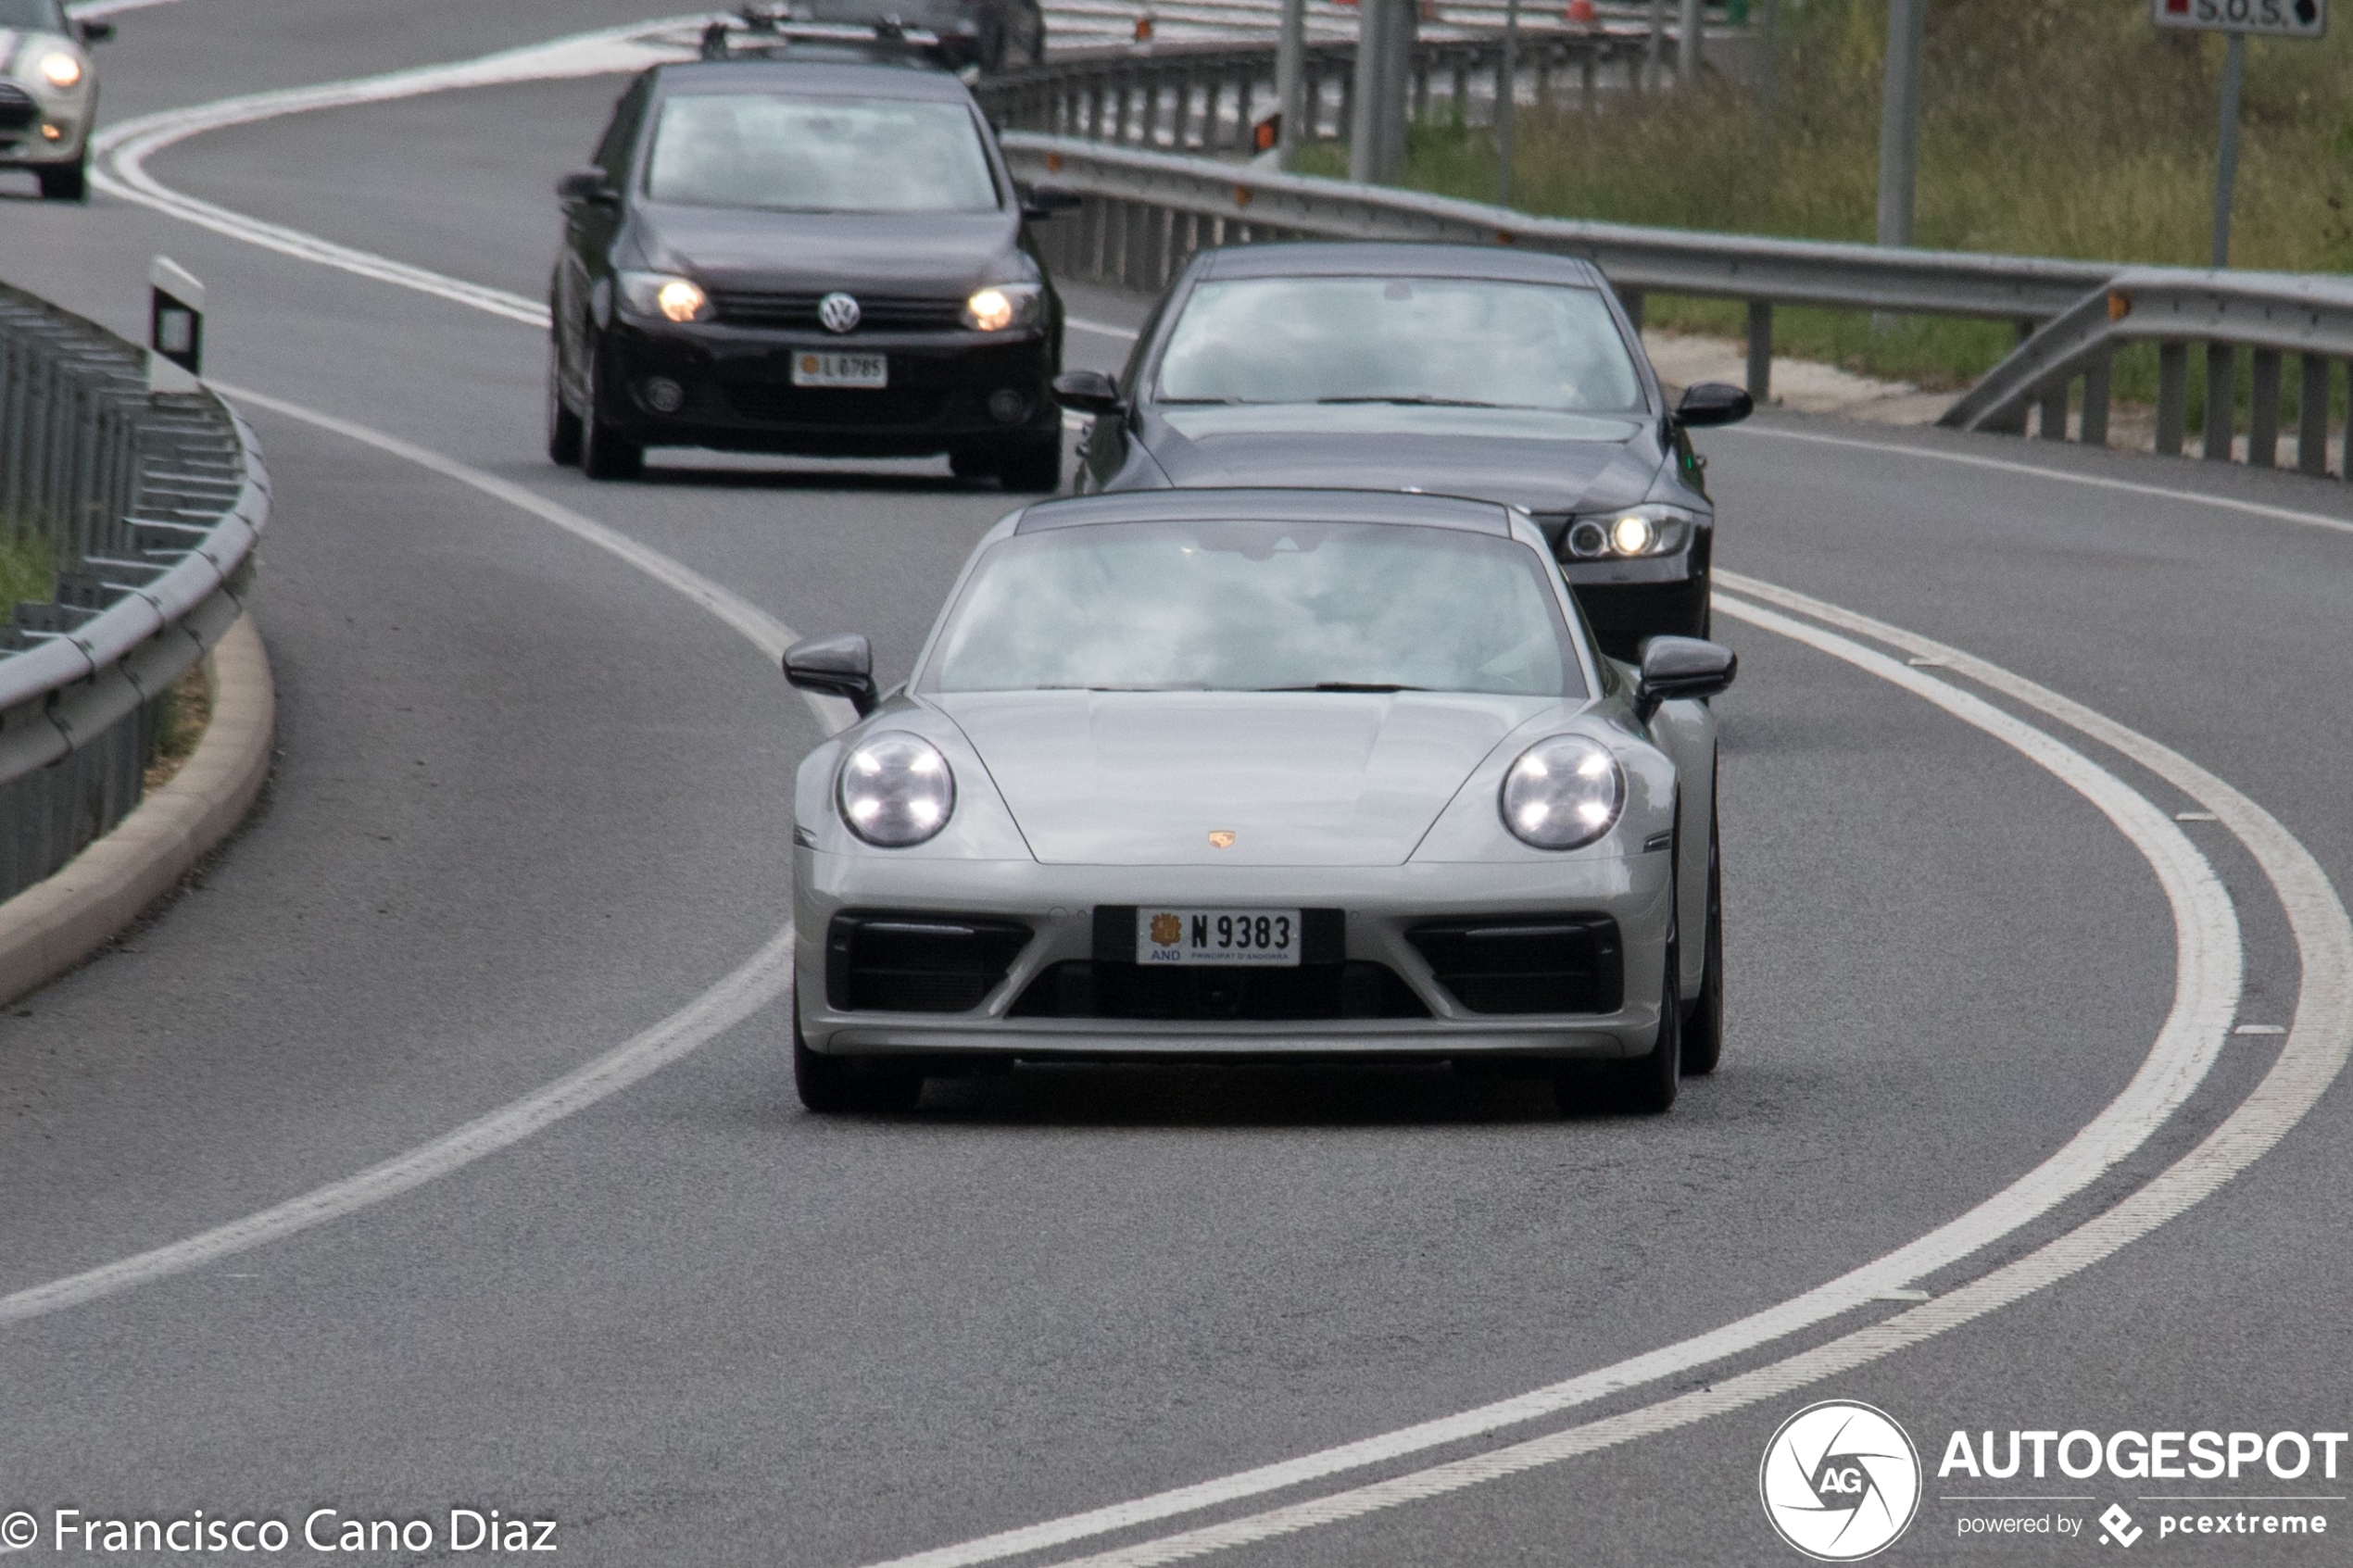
{"x": 55, "y": 924}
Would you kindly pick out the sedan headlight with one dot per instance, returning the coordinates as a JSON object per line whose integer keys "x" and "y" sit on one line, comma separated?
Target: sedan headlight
{"x": 60, "y": 70}
{"x": 1002, "y": 307}
{"x": 896, "y": 789}
{"x": 1651, "y": 528}
{"x": 1563, "y": 792}
{"x": 664, "y": 295}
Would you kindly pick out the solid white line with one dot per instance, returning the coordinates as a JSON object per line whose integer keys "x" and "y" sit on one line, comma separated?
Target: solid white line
{"x": 758, "y": 982}
{"x": 2005, "y": 465}
{"x": 1101, "y": 329}
{"x": 2206, "y": 976}
{"x": 2314, "y": 1055}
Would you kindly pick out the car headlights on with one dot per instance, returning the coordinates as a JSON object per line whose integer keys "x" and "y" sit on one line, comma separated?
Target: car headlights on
{"x": 1563, "y": 792}
{"x": 1651, "y": 528}
{"x": 1002, "y": 307}
{"x": 60, "y": 70}
{"x": 896, "y": 789}
{"x": 664, "y": 295}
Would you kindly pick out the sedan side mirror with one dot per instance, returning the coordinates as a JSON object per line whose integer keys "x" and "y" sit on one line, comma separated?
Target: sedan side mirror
{"x": 1682, "y": 666}
{"x": 1041, "y": 202}
{"x": 838, "y": 665}
{"x": 1713, "y": 403}
{"x": 1086, "y": 391}
{"x": 94, "y": 31}
{"x": 586, "y": 185}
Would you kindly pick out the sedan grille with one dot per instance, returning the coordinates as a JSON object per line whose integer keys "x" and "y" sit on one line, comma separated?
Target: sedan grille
{"x": 16, "y": 108}
{"x": 1569, "y": 963}
{"x": 918, "y": 963}
{"x": 876, "y": 313}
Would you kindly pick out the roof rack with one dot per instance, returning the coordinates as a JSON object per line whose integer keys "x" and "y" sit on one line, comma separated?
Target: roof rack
{"x": 769, "y": 33}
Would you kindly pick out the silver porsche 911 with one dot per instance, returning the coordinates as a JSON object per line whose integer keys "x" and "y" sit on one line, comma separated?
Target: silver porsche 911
{"x": 1244, "y": 775}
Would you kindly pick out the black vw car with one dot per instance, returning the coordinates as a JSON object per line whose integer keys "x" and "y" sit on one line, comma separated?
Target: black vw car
{"x": 1456, "y": 370}
{"x": 822, "y": 256}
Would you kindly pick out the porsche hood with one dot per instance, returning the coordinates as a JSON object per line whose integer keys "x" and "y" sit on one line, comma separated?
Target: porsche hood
{"x": 1144, "y": 777}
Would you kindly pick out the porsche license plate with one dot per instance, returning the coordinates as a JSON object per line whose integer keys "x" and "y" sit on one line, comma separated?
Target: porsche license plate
{"x": 869, "y": 371}
{"x": 1257, "y": 938}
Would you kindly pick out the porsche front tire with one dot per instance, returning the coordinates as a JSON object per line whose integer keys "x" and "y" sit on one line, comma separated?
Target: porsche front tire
{"x": 1703, "y": 1023}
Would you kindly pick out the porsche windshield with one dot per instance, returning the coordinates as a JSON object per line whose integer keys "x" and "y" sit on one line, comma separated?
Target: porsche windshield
{"x": 782, "y": 154}
{"x": 1257, "y": 606}
{"x": 1451, "y": 341}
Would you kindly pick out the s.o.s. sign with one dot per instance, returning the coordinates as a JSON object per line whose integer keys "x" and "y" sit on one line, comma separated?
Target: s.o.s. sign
{"x": 2281, "y": 19}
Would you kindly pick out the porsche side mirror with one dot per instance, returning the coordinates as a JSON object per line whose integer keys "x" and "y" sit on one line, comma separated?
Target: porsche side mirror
{"x": 839, "y": 665}
{"x": 1041, "y": 202}
{"x": 586, "y": 185}
{"x": 1086, "y": 391}
{"x": 94, "y": 31}
{"x": 1713, "y": 403}
{"x": 1682, "y": 666}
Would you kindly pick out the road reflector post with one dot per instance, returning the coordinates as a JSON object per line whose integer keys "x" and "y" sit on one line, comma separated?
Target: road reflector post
{"x": 175, "y": 327}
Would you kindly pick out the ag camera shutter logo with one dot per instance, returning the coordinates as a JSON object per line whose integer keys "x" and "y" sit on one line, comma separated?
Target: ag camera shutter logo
{"x": 1841, "y": 1481}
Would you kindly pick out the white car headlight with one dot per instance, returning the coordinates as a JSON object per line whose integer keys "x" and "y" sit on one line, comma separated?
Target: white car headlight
{"x": 1563, "y": 792}
{"x": 60, "y": 70}
{"x": 1002, "y": 307}
{"x": 664, "y": 295}
{"x": 896, "y": 789}
{"x": 1651, "y": 528}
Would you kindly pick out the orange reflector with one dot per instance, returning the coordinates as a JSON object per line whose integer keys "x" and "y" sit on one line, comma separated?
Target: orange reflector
{"x": 1244, "y": 194}
{"x": 2118, "y": 306}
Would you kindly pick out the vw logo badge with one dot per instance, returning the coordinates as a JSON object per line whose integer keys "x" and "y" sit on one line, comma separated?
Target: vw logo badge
{"x": 1841, "y": 1481}
{"x": 839, "y": 312}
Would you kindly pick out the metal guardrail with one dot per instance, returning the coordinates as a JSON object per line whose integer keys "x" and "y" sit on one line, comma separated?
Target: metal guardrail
{"x": 150, "y": 505}
{"x": 1206, "y": 97}
{"x": 2272, "y": 314}
{"x": 1146, "y": 213}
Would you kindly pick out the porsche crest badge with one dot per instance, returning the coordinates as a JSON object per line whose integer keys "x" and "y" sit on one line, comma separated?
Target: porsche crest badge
{"x": 1167, "y": 930}
{"x": 1221, "y": 839}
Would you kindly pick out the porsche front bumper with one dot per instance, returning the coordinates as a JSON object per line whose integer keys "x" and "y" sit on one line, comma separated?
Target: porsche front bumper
{"x": 1380, "y": 911}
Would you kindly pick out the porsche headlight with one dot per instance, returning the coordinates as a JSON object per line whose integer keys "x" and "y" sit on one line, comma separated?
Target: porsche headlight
{"x": 1002, "y": 307}
{"x": 1651, "y": 528}
{"x": 60, "y": 70}
{"x": 1563, "y": 792}
{"x": 664, "y": 295}
{"x": 896, "y": 789}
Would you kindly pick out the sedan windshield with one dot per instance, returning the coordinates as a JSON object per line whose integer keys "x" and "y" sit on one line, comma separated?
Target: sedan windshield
{"x": 1453, "y": 341}
{"x": 40, "y": 16}
{"x": 1258, "y": 606}
{"x": 819, "y": 154}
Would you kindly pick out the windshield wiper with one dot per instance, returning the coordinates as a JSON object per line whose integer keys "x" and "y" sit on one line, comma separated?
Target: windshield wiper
{"x": 1347, "y": 686}
{"x": 1420, "y": 401}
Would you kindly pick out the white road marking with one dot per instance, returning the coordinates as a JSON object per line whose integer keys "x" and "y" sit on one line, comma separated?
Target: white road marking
{"x": 2207, "y": 968}
{"x": 1101, "y": 329}
{"x": 758, "y": 982}
{"x": 2318, "y": 918}
{"x": 2312, "y": 1059}
{"x": 2097, "y": 481}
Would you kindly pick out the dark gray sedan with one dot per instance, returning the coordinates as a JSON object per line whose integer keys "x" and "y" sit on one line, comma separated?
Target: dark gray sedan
{"x": 1454, "y": 370}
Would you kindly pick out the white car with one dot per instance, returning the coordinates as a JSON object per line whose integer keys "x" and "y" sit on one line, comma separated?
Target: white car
{"x": 48, "y": 95}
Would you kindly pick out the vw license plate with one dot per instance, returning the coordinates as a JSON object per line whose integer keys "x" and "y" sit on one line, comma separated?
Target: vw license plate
{"x": 870, "y": 370}
{"x": 1268, "y": 938}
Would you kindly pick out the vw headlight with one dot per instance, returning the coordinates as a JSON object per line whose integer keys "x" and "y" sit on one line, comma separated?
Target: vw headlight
{"x": 664, "y": 295}
{"x": 1651, "y": 528}
{"x": 896, "y": 789}
{"x": 1563, "y": 792}
{"x": 1002, "y": 307}
{"x": 60, "y": 70}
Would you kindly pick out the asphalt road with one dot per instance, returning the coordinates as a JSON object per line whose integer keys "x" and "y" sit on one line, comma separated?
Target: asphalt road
{"x": 530, "y": 802}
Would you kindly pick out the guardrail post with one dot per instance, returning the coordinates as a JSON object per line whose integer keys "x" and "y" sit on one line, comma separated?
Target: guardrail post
{"x": 1633, "y": 300}
{"x": 2096, "y": 375}
{"x": 2172, "y": 396}
{"x": 2263, "y": 412}
{"x": 2312, "y": 418}
{"x": 2053, "y": 404}
{"x": 1760, "y": 350}
{"x": 2222, "y": 400}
